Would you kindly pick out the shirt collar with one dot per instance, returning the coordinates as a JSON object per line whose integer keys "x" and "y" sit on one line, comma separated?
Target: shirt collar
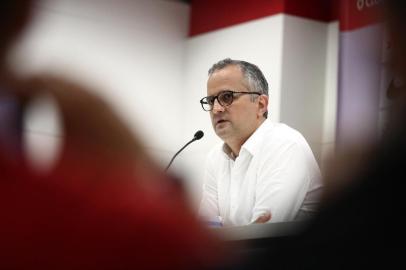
{"x": 253, "y": 144}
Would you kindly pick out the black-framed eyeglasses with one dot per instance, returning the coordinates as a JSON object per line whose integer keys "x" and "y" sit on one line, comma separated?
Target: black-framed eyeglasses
{"x": 224, "y": 98}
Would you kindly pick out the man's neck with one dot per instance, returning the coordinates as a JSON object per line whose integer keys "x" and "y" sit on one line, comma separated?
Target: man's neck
{"x": 230, "y": 153}
{"x": 235, "y": 144}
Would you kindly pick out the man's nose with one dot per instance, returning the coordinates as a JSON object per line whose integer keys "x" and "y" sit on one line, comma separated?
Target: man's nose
{"x": 217, "y": 107}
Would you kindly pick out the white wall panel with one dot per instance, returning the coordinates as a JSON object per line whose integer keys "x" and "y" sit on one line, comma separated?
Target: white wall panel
{"x": 330, "y": 95}
{"x": 303, "y": 77}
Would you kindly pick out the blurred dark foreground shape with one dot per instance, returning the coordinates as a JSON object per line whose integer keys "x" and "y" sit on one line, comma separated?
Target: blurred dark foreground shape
{"x": 104, "y": 204}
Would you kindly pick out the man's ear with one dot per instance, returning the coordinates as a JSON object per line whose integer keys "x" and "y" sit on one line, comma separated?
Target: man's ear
{"x": 262, "y": 104}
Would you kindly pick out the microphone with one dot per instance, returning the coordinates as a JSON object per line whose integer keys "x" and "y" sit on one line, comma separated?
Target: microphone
{"x": 198, "y": 135}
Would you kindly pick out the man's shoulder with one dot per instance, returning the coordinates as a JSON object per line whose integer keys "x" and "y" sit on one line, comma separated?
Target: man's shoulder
{"x": 282, "y": 133}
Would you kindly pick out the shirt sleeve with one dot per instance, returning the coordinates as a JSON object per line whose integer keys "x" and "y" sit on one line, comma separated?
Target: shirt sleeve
{"x": 209, "y": 204}
{"x": 283, "y": 180}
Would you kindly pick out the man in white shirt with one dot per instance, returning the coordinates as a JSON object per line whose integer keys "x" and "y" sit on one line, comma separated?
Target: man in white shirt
{"x": 263, "y": 171}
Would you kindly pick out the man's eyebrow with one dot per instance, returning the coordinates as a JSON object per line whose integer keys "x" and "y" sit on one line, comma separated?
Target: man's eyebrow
{"x": 225, "y": 90}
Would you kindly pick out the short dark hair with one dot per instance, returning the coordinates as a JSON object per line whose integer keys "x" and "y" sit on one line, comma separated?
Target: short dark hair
{"x": 255, "y": 78}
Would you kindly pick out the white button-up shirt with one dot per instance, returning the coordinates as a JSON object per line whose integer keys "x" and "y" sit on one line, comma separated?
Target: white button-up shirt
{"x": 275, "y": 171}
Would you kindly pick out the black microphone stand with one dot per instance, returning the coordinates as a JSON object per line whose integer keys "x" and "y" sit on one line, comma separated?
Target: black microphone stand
{"x": 198, "y": 135}
{"x": 178, "y": 153}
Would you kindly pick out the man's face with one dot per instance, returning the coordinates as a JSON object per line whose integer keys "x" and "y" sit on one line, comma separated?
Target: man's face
{"x": 239, "y": 120}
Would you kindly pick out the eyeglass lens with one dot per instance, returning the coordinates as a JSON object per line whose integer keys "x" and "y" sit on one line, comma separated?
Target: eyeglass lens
{"x": 224, "y": 98}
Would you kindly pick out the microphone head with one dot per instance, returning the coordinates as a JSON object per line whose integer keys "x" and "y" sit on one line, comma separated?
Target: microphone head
{"x": 198, "y": 135}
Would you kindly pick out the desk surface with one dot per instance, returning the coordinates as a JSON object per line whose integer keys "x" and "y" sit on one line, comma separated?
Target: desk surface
{"x": 259, "y": 231}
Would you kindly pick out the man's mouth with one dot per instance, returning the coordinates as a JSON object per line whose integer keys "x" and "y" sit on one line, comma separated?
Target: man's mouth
{"x": 220, "y": 121}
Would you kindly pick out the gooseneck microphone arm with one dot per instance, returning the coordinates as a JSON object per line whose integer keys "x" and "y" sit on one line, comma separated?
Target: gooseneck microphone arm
{"x": 198, "y": 135}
